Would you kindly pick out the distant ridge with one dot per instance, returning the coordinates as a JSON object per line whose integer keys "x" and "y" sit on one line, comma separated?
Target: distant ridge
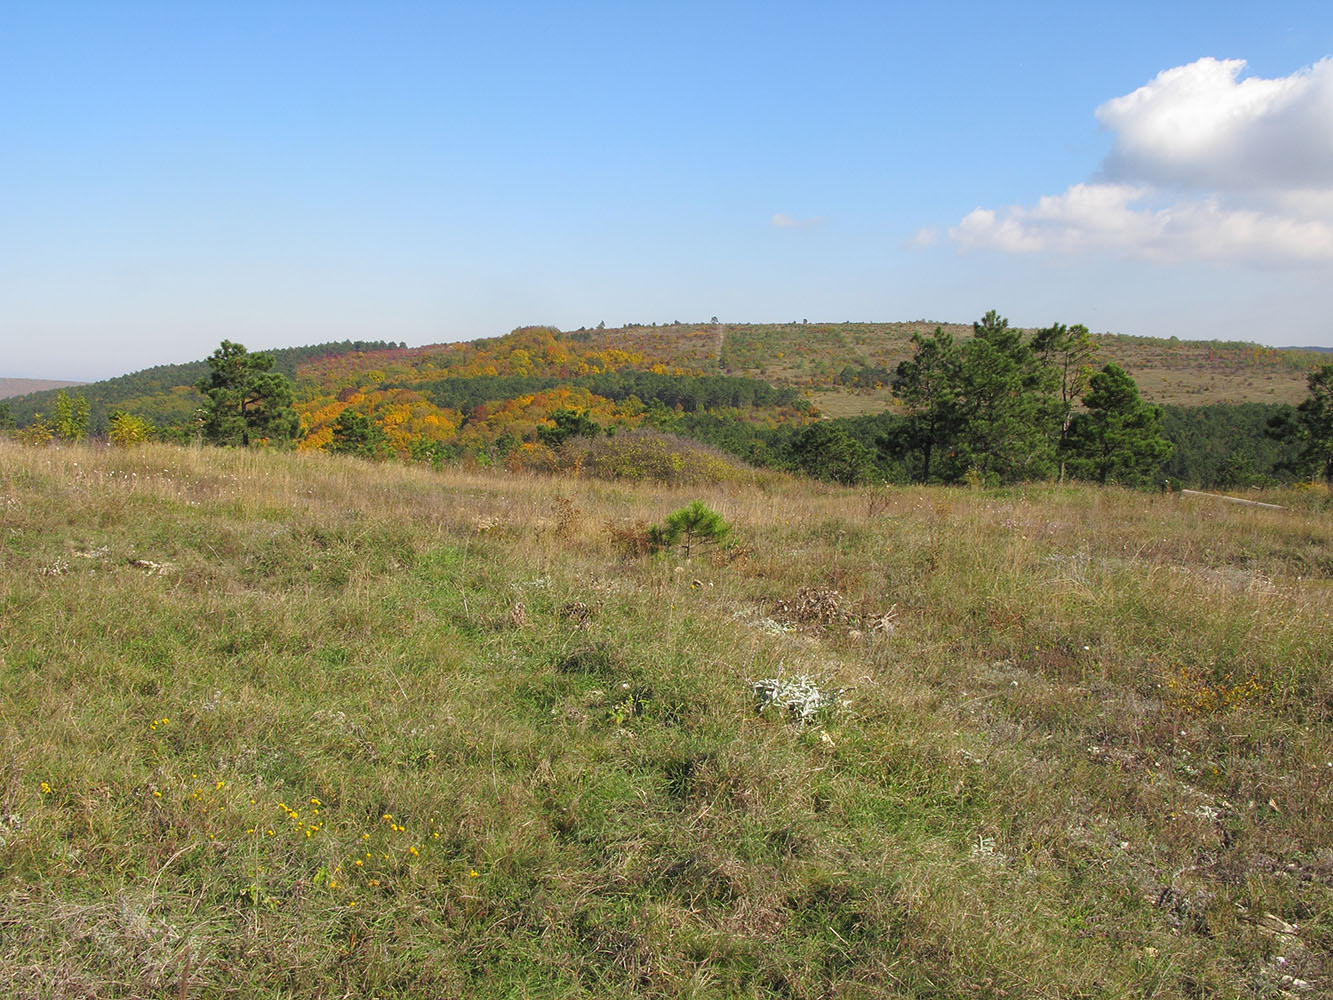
{"x": 1326, "y": 350}
{"x": 10, "y": 387}
{"x": 842, "y": 369}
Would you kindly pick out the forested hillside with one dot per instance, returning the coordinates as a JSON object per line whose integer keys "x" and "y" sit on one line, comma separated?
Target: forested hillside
{"x": 750, "y": 390}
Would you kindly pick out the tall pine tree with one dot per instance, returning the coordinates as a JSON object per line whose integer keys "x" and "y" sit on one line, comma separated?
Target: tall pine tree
{"x": 1004, "y": 390}
{"x": 1068, "y": 351}
{"x": 928, "y": 386}
{"x": 1118, "y": 438}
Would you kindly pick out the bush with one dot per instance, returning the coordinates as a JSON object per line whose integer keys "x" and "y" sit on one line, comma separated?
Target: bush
{"x": 826, "y": 451}
{"x": 532, "y": 457}
{"x": 642, "y": 454}
{"x": 128, "y": 429}
{"x": 37, "y": 433}
{"x": 630, "y": 540}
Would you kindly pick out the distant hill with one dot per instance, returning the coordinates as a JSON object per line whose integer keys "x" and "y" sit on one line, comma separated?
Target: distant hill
{"x": 10, "y": 387}
{"x": 165, "y": 394}
{"x": 488, "y": 393}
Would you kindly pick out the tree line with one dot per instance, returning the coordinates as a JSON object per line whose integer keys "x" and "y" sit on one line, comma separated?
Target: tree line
{"x": 689, "y": 393}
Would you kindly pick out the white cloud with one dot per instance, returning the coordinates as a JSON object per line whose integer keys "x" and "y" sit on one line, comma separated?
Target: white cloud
{"x": 1199, "y": 127}
{"x": 781, "y": 220}
{"x": 926, "y": 236}
{"x": 1115, "y": 218}
{"x": 1204, "y": 166}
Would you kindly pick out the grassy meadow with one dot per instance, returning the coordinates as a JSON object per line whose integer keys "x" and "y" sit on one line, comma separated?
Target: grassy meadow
{"x": 293, "y": 725}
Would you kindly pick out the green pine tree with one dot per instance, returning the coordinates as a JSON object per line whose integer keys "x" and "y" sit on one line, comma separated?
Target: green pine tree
{"x": 1310, "y": 427}
{"x": 1119, "y": 436}
{"x": 693, "y": 524}
{"x": 246, "y": 401}
{"x": 1068, "y": 351}
{"x": 568, "y": 423}
{"x": 928, "y": 386}
{"x": 1003, "y": 405}
{"x": 356, "y": 434}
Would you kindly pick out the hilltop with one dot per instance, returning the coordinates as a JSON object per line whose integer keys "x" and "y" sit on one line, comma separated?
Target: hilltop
{"x": 293, "y": 724}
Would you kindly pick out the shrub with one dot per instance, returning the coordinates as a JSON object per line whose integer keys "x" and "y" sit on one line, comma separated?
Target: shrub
{"x": 37, "y": 433}
{"x": 630, "y": 540}
{"x": 532, "y": 457}
{"x": 642, "y": 454}
{"x": 128, "y": 429}
{"x": 72, "y": 414}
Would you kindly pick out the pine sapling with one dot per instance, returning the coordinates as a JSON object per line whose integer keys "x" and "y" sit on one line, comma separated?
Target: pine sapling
{"x": 696, "y": 523}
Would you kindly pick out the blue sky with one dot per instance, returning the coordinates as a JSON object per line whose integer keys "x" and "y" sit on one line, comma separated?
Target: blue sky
{"x": 287, "y": 173}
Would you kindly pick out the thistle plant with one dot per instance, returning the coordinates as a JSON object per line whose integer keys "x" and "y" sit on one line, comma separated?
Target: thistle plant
{"x": 800, "y": 699}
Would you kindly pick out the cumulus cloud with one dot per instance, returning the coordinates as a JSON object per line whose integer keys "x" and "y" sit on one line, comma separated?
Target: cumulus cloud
{"x": 1204, "y": 165}
{"x": 1201, "y": 127}
{"x": 781, "y": 220}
